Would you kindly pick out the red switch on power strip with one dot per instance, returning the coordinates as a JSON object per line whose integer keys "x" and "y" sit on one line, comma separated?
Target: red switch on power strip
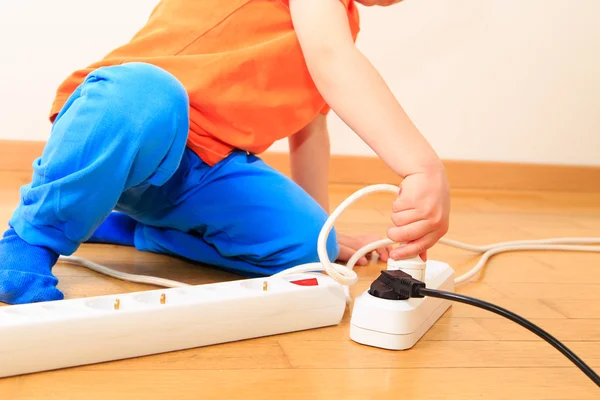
{"x": 306, "y": 282}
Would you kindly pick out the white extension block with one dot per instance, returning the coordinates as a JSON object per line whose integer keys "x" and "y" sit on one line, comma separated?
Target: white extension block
{"x": 53, "y": 335}
{"x": 399, "y": 324}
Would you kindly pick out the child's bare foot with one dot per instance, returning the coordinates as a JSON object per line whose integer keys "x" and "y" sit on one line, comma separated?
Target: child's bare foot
{"x": 26, "y": 272}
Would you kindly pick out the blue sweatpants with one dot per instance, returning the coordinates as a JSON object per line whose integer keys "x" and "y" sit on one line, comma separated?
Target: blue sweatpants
{"x": 119, "y": 144}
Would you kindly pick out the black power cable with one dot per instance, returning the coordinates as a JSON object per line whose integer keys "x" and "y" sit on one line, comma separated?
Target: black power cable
{"x": 398, "y": 285}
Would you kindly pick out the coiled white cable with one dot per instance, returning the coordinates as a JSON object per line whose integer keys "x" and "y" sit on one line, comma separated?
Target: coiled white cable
{"x": 346, "y": 275}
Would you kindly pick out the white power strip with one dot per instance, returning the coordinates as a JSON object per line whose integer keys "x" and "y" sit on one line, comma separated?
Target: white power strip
{"x": 67, "y": 333}
{"x": 399, "y": 324}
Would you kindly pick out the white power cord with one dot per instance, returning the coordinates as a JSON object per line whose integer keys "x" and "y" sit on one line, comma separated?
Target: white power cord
{"x": 346, "y": 275}
{"x": 150, "y": 280}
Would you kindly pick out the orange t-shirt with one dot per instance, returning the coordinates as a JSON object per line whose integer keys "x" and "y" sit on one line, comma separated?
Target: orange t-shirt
{"x": 241, "y": 64}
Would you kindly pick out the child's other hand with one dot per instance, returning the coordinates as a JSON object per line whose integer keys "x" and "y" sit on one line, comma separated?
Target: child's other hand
{"x": 420, "y": 213}
{"x": 349, "y": 244}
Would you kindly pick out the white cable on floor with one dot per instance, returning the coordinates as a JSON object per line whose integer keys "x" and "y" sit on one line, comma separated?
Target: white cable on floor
{"x": 150, "y": 280}
{"x": 490, "y": 250}
{"x": 346, "y": 275}
{"x": 527, "y": 247}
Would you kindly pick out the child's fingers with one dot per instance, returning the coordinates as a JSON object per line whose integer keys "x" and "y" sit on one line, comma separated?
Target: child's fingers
{"x": 406, "y": 217}
{"x": 384, "y": 253}
{"x": 390, "y": 249}
{"x": 410, "y": 232}
{"x": 414, "y": 249}
{"x": 402, "y": 203}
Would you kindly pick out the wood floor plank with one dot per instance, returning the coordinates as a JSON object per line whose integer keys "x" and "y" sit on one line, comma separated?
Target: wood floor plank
{"x": 428, "y": 354}
{"x": 424, "y": 384}
{"x": 562, "y": 329}
{"x": 549, "y": 291}
{"x": 10, "y": 388}
{"x": 261, "y": 353}
{"x": 575, "y": 308}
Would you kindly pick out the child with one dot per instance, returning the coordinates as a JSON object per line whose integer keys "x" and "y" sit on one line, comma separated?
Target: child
{"x": 155, "y": 146}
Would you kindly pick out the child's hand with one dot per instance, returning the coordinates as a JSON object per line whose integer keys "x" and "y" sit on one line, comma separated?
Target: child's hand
{"x": 420, "y": 213}
{"x": 350, "y": 244}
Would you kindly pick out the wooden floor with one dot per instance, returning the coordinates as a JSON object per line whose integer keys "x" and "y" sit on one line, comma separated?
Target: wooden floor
{"x": 469, "y": 354}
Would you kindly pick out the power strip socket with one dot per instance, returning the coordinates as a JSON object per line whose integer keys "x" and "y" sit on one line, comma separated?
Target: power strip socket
{"x": 67, "y": 333}
{"x": 400, "y": 324}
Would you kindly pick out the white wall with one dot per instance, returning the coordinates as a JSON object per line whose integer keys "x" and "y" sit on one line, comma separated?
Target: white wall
{"x": 501, "y": 80}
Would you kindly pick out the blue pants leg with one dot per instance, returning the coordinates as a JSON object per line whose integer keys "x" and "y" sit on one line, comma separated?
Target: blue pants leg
{"x": 125, "y": 127}
{"x": 240, "y": 215}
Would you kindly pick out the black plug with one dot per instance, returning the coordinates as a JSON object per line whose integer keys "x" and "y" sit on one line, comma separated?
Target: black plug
{"x": 396, "y": 285}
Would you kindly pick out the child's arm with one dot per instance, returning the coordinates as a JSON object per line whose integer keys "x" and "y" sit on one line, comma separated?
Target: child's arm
{"x": 309, "y": 160}
{"x": 359, "y": 96}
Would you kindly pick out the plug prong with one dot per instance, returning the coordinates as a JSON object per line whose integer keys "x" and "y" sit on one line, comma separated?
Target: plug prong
{"x": 117, "y": 304}
{"x": 265, "y": 286}
{"x": 163, "y": 298}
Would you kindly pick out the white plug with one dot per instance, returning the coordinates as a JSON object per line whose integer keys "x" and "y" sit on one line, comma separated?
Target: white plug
{"x": 415, "y": 267}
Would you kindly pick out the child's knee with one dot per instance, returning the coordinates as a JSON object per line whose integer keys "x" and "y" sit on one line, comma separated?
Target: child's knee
{"x": 141, "y": 84}
{"x": 140, "y": 95}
